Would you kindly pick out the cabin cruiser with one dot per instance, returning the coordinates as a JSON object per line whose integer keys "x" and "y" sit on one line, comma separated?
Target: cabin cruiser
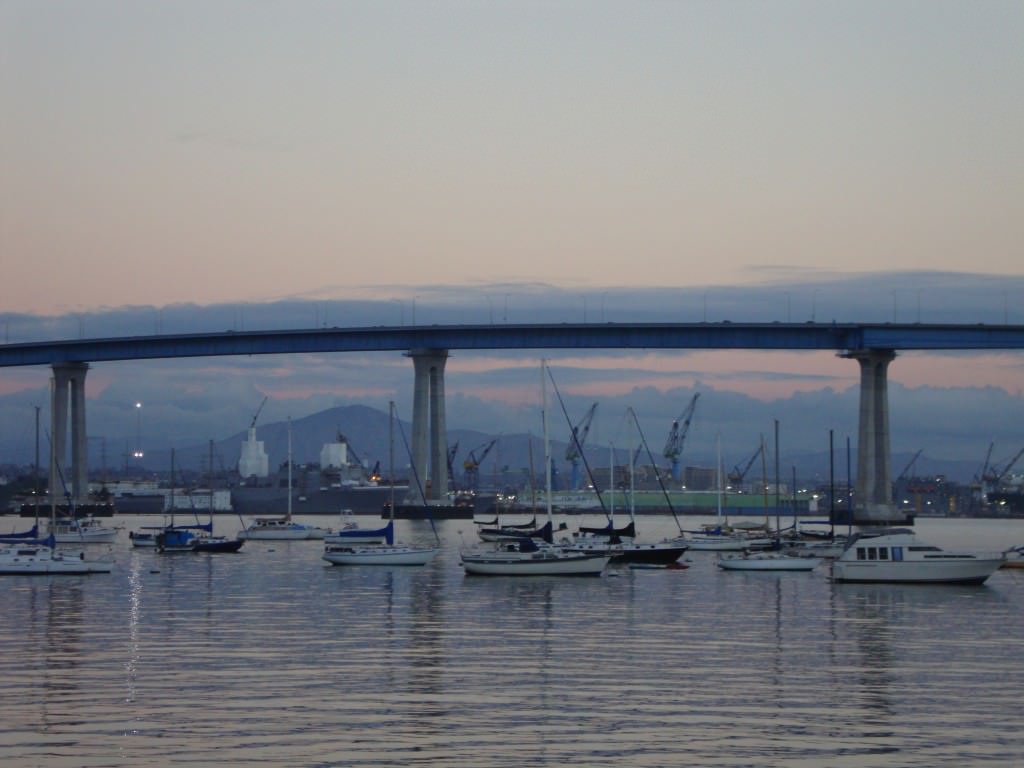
{"x": 282, "y": 529}
{"x": 82, "y": 530}
{"x": 896, "y": 555}
{"x": 37, "y": 558}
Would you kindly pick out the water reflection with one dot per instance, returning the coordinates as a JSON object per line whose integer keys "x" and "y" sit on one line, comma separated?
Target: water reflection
{"x": 270, "y": 657}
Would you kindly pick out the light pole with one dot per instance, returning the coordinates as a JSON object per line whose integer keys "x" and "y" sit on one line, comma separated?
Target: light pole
{"x": 138, "y": 454}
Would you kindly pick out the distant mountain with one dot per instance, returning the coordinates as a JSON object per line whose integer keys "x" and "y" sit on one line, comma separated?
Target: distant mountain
{"x": 366, "y": 430}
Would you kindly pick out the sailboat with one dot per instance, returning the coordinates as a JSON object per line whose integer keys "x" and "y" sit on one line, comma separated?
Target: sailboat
{"x": 177, "y": 538}
{"x": 22, "y": 555}
{"x": 283, "y": 528}
{"x": 775, "y": 560}
{"x": 494, "y": 530}
{"x": 619, "y": 543}
{"x": 388, "y": 553}
{"x": 206, "y": 541}
{"x": 720, "y": 536}
{"x": 352, "y": 533}
{"x": 530, "y": 557}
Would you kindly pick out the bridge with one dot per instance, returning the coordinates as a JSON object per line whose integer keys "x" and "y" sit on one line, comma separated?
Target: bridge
{"x": 872, "y": 345}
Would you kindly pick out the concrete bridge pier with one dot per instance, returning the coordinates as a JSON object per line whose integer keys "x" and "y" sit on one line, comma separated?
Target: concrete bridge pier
{"x": 69, "y": 386}
{"x": 429, "y": 431}
{"x": 873, "y": 504}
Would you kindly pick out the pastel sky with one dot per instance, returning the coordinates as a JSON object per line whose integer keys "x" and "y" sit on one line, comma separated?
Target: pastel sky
{"x": 571, "y": 160}
{"x": 216, "y": 151}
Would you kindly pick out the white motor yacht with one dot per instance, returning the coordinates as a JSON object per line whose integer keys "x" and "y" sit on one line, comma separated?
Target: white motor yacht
{"x": 896, "y": 555}
{"x": 82, "y": 530}
{"x": 43, "y": 559}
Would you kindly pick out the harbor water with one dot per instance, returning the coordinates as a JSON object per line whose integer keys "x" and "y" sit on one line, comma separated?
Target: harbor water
{"x": 271, "y": 657}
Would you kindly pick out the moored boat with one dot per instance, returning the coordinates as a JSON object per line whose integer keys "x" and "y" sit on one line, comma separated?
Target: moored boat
{"x": 144, "y": 538}
{"x": 81, "y": 530}
{"x": 385, "y": 552}
{"x": 284, "y": 528}
{"x": 378, "y": 554}
{"x": 528, "y": 557}
{"x": 660, "y": 552}
{"x": 767, "y": 561}
{"x": 532, "y": 557}
{"x": 36, "y": 559}
{"x": 896, "y": 555}
{"x": 352, "y": 534}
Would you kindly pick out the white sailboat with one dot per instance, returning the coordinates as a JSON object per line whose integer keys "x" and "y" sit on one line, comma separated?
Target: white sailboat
{"x": 529, "y": 557}
{"x": 767, "y": 561}
{"x": 27, "y": 556}
{"x": 283, "y": 528}
{"x": 387, "y": 553}
{"x": 720, "y": 537}
{"x": 776, "y": 560}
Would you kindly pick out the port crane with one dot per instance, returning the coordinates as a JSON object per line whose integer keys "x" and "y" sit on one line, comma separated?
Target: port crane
{"x": 737, "y": 474}
{"x": 575, "y": 447}
{"x": 677, "y": 436}
{"x": 910, "y": 465}
{"x": 471, "y": 465}
{"x": 996, "y": 476}
{"x": 978, "y": 484}
{"x": 252, "y": 424}
{"x": 451, "y": 460}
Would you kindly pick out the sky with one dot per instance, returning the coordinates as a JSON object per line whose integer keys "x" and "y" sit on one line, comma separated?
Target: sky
{"x": 170, "y": 164}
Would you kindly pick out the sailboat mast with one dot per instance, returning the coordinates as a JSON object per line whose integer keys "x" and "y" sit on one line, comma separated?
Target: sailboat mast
{"x": 792, "y": 496}
{"x": 289, "y": 515}
{"x": 172, "y": 488}
{"x": 211, "y": 486}
{"x": 35, "y": 475}
{"x": 778, "y": 524}
{"x": 611, "y": 479}
{"x": 547, "y": 443}
{"x": 831, "y": 489}
{"x": 53, "y": 455}
{"x": 632, "y": 482}
{"x": 718, "y": 474}
{"x": 391, "y": 457}
{"x": 764, "y": 482}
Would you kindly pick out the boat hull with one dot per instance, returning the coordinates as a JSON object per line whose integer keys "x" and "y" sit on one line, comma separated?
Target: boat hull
{"x": 502, "y": 564}
{"x": 717, "y": 544}
{"x": 142, "y": 540}
{"x": 941, "y": 572}
{"x": 353, "y": 535}
{"x": 280, "y": 530}
{"x": 383, "y": 555}
{"x": 653, "y": 554}
{"x": 768, "y": 563}
{"x": 216, "y": 544}
{"x": 43, "y": 561}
